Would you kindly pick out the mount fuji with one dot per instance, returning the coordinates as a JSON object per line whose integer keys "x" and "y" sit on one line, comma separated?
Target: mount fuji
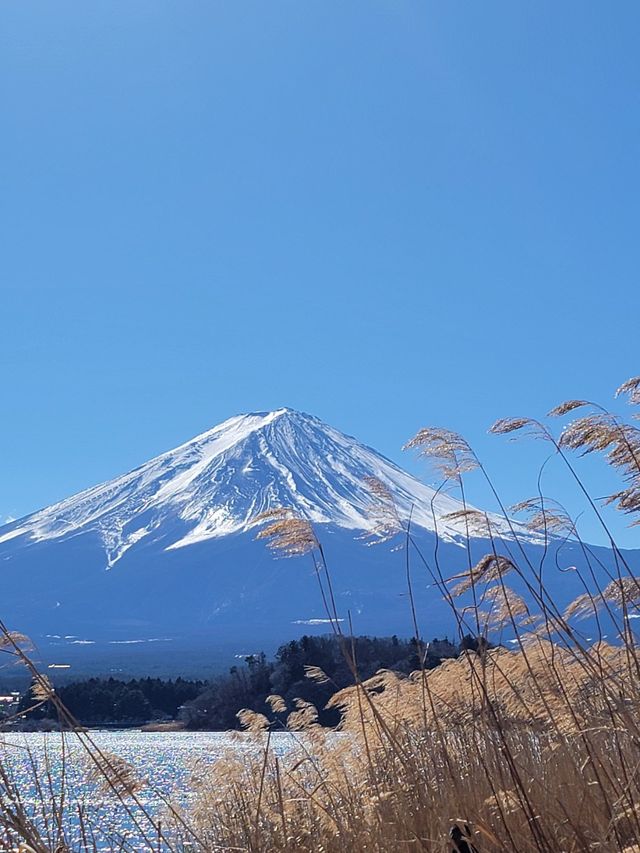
{"x": 162, "y": 564}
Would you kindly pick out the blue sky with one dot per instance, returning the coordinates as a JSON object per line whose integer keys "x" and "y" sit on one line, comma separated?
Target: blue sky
{"x": 388, "y": 214}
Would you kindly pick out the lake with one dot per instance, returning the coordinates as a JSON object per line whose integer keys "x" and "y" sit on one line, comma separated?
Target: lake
{"x": 165, "y": 759}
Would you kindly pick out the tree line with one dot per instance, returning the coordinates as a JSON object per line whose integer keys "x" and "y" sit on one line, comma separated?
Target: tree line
{"x": 99, "y": 701}
{"x": 214, "y": 704}
{"x": 249, "y": 686}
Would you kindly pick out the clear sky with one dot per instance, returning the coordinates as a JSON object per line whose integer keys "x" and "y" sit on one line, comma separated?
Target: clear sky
{"x": 388, "y": 213}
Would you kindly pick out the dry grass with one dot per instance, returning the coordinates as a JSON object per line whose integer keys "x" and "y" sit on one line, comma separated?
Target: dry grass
{"x": 536, "y": 748}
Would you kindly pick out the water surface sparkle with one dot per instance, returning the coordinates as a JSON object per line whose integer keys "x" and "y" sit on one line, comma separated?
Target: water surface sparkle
{"x": 164, "y": 761}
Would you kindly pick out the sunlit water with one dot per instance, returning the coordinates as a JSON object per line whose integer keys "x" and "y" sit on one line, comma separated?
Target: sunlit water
{"x": 165, "y": 760}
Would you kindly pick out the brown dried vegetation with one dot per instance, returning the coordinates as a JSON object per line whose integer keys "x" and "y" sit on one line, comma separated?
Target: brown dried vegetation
{"x": 534, "y": 748}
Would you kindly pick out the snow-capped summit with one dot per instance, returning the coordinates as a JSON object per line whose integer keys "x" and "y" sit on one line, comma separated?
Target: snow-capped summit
{"x": 219, "y": 482}
{"x": 168, "y": 552}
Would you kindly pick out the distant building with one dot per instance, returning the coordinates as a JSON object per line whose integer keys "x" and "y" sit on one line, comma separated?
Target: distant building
{"x": 9, "y": 703}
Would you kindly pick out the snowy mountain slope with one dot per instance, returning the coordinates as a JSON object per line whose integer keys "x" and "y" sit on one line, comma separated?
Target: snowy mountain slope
{"x": 219, "y": 482}
{"x": 161, "y": 565}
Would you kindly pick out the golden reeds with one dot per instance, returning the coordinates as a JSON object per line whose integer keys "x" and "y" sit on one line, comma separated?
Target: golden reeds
{"x": 534, "y": 748}
{"x": 450, "y": 453}
{"x": 491, "y": 567}
{"x": 382, "y": 512}
{"x": 286, "y": 533}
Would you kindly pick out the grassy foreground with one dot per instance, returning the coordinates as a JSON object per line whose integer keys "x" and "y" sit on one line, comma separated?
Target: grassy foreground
{"x": 531, "y": 748}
